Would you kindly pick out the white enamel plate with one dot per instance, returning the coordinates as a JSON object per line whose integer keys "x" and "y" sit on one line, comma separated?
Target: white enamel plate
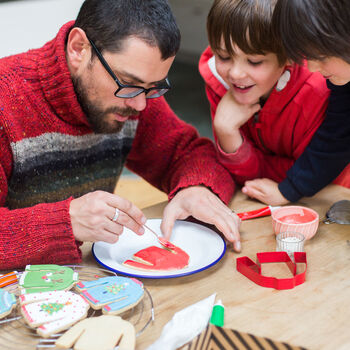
{"x": 204, "y": 246}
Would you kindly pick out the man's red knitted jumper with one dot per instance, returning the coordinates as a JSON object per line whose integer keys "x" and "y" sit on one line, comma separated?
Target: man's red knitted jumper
{"x": 50, "y": 154}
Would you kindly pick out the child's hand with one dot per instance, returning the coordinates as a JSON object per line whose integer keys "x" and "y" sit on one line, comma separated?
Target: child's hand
{"x": 264, "y": 190}
{"x": 229, "y": 117}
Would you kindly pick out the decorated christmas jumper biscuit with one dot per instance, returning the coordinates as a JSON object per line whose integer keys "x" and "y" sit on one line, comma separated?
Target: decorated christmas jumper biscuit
{"x": 159, "y": 259}
{"x": 113, "y": 294}
{"x": 102, "y": 333}
{"x": 52, "y": 312}
{"x": 45, "y": 278}
{"x": 7, "y": 302}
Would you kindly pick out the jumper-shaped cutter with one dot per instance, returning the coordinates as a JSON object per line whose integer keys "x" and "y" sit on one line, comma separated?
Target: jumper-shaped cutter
{"x": 252, "y": 270}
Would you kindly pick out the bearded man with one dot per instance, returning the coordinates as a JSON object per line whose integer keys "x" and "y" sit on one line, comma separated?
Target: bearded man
{"x": 74, "y": 112}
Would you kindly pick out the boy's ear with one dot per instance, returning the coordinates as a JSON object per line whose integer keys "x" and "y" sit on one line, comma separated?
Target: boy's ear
{"x": 78, "y": 48}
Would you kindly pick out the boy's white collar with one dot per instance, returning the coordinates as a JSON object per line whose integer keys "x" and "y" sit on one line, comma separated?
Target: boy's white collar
{"x": 211, "y": 64}
{"x": 283, "y": 80}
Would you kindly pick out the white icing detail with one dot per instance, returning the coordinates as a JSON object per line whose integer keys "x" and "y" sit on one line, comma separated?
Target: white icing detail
{"x": 75, "y": 276}
{"x": 21, "y": 279}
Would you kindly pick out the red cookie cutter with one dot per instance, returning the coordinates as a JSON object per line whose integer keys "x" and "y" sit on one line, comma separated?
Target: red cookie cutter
{"x": 252, "y": 270}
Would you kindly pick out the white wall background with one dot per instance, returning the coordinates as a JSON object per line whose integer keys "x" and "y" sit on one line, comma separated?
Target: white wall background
{"x": 29, "y": 24}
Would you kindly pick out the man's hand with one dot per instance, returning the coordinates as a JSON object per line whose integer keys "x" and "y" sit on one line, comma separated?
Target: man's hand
{"x": 204, "y": 205}
{"x": 92, "y": 214}
{"x": 229, "y": 117}
{"x": 264, "y": 190}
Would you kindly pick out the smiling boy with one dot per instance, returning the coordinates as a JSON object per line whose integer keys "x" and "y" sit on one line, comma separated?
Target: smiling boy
{"x": 265, "y": 108}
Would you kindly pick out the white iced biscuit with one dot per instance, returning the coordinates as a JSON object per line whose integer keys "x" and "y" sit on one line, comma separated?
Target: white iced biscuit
{"x": 52, "y": 312}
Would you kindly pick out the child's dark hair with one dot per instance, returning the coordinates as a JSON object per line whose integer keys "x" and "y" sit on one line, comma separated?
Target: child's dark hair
{"x": 245, "y": 23}
{"x": 108, "y": 22}
{"x": 313, "y": 29}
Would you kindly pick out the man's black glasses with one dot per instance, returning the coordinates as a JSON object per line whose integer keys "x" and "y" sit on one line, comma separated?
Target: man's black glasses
{"x": 130, "y": 91}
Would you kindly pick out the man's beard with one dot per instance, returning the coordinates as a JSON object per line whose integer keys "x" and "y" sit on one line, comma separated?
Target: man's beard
{"x": 96, "y": 116}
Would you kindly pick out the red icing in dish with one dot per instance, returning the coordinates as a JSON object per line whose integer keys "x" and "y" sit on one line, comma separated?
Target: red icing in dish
{"x": 303, "y": 218}
{"x": 155, "y": 258}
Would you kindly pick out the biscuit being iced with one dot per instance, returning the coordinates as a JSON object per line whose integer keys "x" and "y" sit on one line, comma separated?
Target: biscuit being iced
{"x": 159, "y": 259}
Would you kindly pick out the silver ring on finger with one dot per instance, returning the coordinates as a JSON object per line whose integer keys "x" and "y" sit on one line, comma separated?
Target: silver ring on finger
{"x": 116, "y": 215}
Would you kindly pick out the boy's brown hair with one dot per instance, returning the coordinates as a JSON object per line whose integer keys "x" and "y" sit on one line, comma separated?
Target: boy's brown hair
{"x": 245, "y": 23}
{"x": 313, "y": 29}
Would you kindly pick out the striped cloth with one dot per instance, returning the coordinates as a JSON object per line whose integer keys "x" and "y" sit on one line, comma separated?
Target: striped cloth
{"x": 217, "y": 338}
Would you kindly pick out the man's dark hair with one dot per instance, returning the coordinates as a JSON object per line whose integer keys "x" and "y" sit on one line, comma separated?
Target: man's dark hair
{"x": 108, "y": 22}
{"x": 313, "y": 29}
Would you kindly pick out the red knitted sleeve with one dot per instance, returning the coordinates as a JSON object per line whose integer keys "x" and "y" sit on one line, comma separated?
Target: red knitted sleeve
{"x": 170, "y": 155}
{"x": 35, "y": 235}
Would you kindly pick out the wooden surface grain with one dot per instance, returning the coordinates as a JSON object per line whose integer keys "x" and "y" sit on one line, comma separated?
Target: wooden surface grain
{"x": 314, "y": 315}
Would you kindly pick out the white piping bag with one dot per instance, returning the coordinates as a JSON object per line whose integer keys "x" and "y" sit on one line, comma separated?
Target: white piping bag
{"x": 185, "y": 325}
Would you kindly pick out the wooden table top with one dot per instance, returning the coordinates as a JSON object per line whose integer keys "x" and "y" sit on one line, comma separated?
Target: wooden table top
{"x": 314, "y": 315}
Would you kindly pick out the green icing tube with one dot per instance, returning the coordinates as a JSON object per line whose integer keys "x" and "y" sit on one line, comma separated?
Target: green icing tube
{"x": 217, "y": 315}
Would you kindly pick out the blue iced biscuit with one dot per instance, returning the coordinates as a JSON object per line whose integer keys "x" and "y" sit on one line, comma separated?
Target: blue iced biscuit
{"x": 7, "y": 302}
{"x": 113, "y": 294}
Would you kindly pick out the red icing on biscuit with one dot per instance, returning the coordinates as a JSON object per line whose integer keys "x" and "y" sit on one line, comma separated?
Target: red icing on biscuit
{"x": 155, "y": 258}
{"x": 166, "y": 243}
